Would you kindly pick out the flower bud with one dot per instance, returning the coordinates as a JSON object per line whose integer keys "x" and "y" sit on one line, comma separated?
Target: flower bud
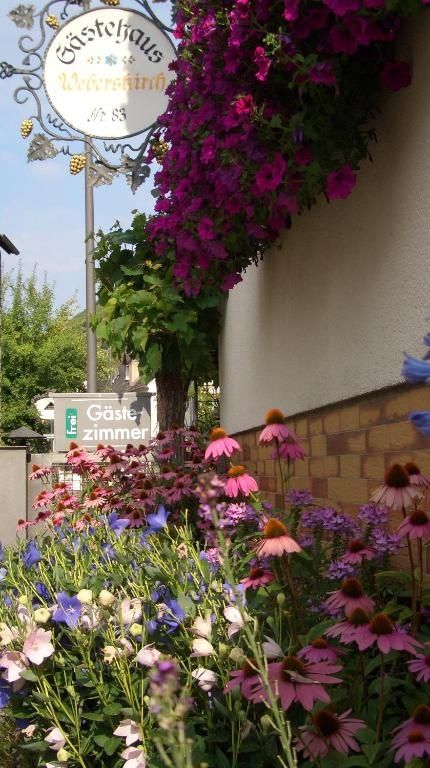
{"x": 41, "y": 615}
{"x": 63, "y": 755}
{"x": 23, "y": 600}
{"x": 85, "y": 596}
{"x": 136, "y": 630}
{"x": 266, "y": 723}
{"x": 106, "y": 598}
{"x": 280, "y": 598}
{"x": 237, "y": 655}
{"x": 223, "y": 649}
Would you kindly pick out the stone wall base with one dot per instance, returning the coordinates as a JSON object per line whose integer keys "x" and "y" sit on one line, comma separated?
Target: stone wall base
{"x": 348, "y": 446}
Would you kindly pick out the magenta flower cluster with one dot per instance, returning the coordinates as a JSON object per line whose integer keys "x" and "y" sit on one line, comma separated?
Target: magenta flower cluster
{"x": 269, "y": 109}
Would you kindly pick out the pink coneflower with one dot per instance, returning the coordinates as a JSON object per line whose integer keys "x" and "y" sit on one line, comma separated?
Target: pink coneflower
{"x": 384, "y": 633}
{"x": 257, "y": 577}
{"x": 416, "y": 525}
{"x": 397, "y": 492}
{"x": 357, "y": 552}
{"x": 295, "y": 680}
{"x": 319, "y": 650}
{"x": 352, "y": 628}
{"x": 289, "y": 450}
{"x": 414, "y": 744}
{"x": 420, "y": 717}
{"x": 275, "y": 428}
{"x": 329, "y": 731}
{"x": 239, "y": 482}
{"x": 421, "y": 667}
{"x": 38, "y": 473}
{"x": 277, "y": 540}
{"x": 415, "y": 476}
{"x": 221, "y": 445}
{"x": 348, "y": 597}
{"x": 249, "y": 682}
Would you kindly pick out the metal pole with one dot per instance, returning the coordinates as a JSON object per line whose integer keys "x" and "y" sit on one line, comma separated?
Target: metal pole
{"x": 89, "y": 261}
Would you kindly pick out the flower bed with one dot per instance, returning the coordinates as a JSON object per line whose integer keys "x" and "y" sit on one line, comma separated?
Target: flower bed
{"x": 214, "y": 630}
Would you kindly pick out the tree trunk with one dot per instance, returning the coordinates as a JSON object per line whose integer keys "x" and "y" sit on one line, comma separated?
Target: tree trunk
{"x": 171, "y": 398}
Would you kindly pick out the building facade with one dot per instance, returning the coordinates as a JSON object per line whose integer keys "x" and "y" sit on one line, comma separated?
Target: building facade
{"x": 319, "y": 328}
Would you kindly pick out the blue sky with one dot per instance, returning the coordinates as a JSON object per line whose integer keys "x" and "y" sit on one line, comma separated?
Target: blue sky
{"x": 41, "y": 204}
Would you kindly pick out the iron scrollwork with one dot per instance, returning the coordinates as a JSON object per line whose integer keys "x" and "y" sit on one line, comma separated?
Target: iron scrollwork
{"x": 108, "y": 159}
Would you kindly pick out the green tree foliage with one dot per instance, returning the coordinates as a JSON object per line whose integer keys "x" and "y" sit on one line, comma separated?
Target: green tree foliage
{"x": 142, "y": 311}
{"x": 43, "y": 348}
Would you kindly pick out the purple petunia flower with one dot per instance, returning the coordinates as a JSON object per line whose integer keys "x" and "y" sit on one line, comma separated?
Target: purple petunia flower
{"x": 68, "y": 610}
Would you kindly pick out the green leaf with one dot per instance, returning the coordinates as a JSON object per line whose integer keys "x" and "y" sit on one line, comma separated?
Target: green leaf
{"x": 112, "y": 709}
{"x": 29, "y": 675}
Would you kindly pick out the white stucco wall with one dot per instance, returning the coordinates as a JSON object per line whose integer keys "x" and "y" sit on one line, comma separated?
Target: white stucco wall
{"x": 330, "y": 311}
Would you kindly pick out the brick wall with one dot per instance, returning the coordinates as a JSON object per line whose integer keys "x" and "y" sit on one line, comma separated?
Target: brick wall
{"x": 348, "y": 447}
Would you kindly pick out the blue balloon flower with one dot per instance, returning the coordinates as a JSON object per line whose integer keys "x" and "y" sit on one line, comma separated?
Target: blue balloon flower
{"x": 68, "y": 611}
{"x": 157, "y": 520}
{"x": 116, "y": 524}
{"x": 31, "y": 555}
{"x": 5, "y": 693}
{"x": 42, "y": 591}
{"x": 416, "y": 370}
{"x": 421, "y": 419}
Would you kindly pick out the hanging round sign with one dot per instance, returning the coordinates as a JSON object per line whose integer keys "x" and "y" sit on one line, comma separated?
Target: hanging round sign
{"x": 106, "y": 72}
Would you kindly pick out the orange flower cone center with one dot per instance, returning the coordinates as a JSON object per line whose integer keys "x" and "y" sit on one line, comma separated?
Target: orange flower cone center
{"x": 352, "y": 588}
{"x": 256, "y": 573}
{"x": 274, "y": 528}
{"x": 397, "y": 477}
{"x": 274, "y": 416}
{"x": 415, "y": 737}
{"x": 249, "y": 668}
{"x": 421, "y": 716}
{"x": 418, "y": 517}
{"x": 358, "y": 617}
{"x": 319, "y": 643}
{"x": 236, "y": 471}
{"x": 218, "y": 434}
{"x": 356, "y": 546}
{"x": 326, "y": 723}
{"x": 292, "y": 664}
{"x": 381, "y": 624}
{"x": 411, "y": 468}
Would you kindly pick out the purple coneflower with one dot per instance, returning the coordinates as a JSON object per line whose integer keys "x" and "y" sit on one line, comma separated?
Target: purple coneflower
{"x": 257, "y": 577}
{"x": 416, "y": 525}
{"x": 289, "y": 449}
{"x": 329, "y": 731}
{"x": 293, "y": 679}
{"x": 275, "y": 428}
{"x": 420, "y": 718}
{"x": 357, "y": 552}
{"x": 397, "y": 492}
{"x": 348, "y": 597}
{"x": 249, "y": 682}
{"x": 239, "y": 482}
{"x": 415, "y": 476}
{"x": 416, "y": 743}
{"x": 382, "y": 631}
{"x": 352, "y": 628}
{"x": 421, "y": 667}
{"x": 277, "y": 540}
{"x": 221, "y": 445}
{"x": 319, "y": 650}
